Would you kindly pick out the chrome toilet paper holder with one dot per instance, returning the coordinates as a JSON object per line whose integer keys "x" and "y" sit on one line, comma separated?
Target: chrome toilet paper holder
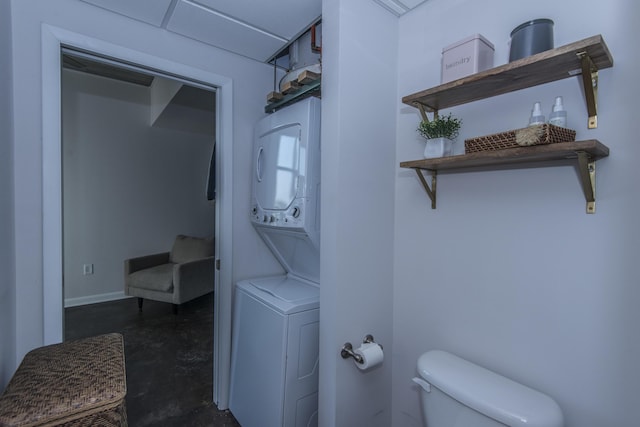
{"x": 347, "y": 349}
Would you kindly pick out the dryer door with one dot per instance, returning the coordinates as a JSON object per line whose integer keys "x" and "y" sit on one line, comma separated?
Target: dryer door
{"x": 278, "y": 167}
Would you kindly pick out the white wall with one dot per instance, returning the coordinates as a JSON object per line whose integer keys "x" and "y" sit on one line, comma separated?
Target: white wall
{"x": 128, "y": 188}
{"x": 161, "y": 94}
{"x": 358, "y": 144}
{"x": 7, "y": 291}
{"x": 251, "y": 81}
{"x": 509, "y": 272}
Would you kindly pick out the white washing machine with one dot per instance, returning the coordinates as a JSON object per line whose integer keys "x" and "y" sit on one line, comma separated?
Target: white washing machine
{"x": 275, "y": 348}
{"x": 275, "y": 316}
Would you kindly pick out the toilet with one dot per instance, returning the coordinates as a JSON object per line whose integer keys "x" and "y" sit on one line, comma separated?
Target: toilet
{"x": 458, "y": 393}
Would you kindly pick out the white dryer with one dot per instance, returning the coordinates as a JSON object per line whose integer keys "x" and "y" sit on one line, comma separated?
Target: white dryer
{"x": 274, "y": 368}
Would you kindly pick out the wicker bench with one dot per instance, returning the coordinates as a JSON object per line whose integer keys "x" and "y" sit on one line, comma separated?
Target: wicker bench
{"x": 75, "y": 383}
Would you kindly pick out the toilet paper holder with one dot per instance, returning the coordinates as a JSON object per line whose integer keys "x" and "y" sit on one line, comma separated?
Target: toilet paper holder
{"x": 347, "y": 349}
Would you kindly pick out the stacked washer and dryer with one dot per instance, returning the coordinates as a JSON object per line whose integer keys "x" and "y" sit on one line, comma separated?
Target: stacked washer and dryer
{"x": 274, "y": 369}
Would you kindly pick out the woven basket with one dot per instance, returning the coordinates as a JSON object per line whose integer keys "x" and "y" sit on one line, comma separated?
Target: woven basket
{"x": 78, "y": 383}
{"x": 532, "y": 135}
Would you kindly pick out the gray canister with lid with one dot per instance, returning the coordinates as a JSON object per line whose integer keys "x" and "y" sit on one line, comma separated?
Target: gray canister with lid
{"x": 530, "y": 38}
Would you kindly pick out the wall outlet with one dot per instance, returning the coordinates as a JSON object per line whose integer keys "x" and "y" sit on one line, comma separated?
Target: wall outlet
{"x": 87, "y": 269}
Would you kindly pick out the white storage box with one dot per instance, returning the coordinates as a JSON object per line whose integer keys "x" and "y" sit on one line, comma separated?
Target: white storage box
{"x": 465, "y": 57}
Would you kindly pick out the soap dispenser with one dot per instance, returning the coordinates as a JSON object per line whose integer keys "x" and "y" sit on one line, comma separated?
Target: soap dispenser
{"x": 537, "y": 118}
{"x": 558, "y": 114}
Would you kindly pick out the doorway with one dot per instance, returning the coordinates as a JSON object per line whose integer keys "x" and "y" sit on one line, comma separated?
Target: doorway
{"x": 135, "y": 163}
{"x": 53, "y": 40}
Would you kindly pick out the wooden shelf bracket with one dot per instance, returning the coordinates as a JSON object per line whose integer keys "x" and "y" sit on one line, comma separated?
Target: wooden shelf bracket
{"x": 431, "y": 192}
{"x": 587, "y": 168}
{"x": 590, "y": 83}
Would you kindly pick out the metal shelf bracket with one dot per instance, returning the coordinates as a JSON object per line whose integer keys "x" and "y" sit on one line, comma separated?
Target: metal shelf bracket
{"x": 431, "y": 192}
{"x": 590, "y": 83}
{"x": 423, "y": 112}
{"x": 587, "y": 169}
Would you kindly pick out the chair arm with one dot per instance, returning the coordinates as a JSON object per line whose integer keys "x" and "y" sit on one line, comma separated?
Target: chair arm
{"x": 140, "y": 263}
{"x": 193, "y": 279}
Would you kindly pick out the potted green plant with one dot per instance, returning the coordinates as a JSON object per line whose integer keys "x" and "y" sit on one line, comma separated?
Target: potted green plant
{"x": 440, "y": 134}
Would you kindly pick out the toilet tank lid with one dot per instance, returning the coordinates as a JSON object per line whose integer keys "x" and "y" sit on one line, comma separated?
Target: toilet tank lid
{"x": 487, "y": 392}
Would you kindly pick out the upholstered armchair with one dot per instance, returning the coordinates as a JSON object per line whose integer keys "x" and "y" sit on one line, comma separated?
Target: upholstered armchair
{"x": 175, "y": 277}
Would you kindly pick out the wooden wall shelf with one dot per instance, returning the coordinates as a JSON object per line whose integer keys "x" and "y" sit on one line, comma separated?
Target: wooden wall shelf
{"x": 495, "y": 159}
{"x": 583, "y": 58}
{"x": 585, "y": 152}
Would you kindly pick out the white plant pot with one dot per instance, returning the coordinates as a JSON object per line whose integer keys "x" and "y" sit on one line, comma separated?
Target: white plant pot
{"x": 437, "y": 147}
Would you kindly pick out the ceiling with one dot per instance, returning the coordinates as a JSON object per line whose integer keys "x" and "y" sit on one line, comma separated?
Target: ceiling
{"x": 258, "y": 29}
{"x": 399, "y": 7}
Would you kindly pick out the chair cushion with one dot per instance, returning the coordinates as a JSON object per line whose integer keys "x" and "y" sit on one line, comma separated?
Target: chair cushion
{"x": 158, "y": 278}
{"x": 186, "y": 248}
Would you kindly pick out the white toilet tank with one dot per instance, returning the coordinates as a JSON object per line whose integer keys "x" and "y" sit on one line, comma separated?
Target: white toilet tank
{"x": 458, "y": 393}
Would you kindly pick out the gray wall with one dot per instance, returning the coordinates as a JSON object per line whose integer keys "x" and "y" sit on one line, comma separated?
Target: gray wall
{"x": 509, "y": 271}
{"x": 7, "y": 290}
{"x": 358, "y": 144}
{"x": 251, "y": 81}
{"x": 128, "y": 188}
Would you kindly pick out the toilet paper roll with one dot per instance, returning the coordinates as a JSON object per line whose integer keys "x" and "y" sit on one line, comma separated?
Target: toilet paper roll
{"x": 371, "y": 354}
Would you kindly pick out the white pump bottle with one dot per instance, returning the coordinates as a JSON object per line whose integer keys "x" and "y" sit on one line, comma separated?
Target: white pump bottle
{"x": 537, "y": 118}
{"x": 558, "y": 114}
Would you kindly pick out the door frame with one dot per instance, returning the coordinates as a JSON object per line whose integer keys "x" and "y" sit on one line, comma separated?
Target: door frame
{"x": 53, "y": 39}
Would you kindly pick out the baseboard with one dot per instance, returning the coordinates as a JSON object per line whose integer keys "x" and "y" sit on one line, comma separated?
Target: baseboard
{"x": 93, "y": 299}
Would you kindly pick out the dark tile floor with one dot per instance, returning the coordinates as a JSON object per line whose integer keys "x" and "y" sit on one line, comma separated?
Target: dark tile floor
{"x": 169, "y": 358}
